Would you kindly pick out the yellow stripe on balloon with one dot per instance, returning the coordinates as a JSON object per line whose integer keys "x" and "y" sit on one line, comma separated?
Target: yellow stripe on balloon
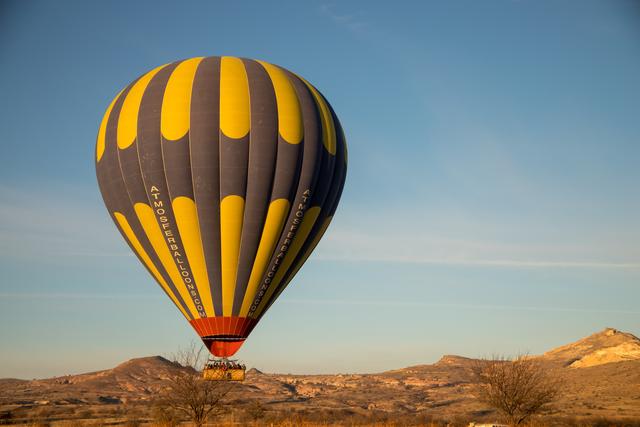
{"x": 308, "y": 221}
{"x": 298, "y": 265}
{"x": 328, "y": 127}
{"x": 176, "y": 103}
{"x": 290, "y": 125}
{"x": 276, "y": 217}
{"x": 154, "y": 234}
{"x": 231, "y": 218}
{"x": 186, "y": 216}
{"x": 312, "y": 246}
{"x": 131, "y": 236}
{"x": 102, "y": 132}
{"x": 235, "y": 113}
{"x": 128, "y": 120}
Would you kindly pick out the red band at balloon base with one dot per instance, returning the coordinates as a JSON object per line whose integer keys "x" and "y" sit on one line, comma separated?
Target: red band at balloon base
{"x": 223, "y": 336}
{"x": 223, "y": 348}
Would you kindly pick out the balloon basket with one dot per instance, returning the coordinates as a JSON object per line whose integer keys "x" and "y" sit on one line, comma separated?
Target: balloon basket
{"x": 223, "y": 370}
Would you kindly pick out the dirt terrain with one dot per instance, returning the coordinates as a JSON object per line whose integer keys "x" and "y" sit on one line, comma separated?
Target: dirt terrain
{"x": 600, "y": 378}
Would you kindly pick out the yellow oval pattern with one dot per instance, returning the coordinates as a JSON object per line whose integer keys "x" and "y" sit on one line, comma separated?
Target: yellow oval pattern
{"x": 328, "y": 128}
{"x": 290, "y": 125}
{"x": 176, "y": 103}
{"x": 128, "y": 120}
{"x": 235, "y": 112}
{"x": 102, "y": 132}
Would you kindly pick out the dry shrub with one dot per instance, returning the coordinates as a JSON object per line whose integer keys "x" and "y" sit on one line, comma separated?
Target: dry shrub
{"x": 518, "y": 388}
{"x": 190, "y": 395}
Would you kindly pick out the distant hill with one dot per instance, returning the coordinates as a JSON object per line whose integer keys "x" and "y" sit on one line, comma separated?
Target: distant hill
{"x": 604, "y": 347}
{"x": 600, "y": 376}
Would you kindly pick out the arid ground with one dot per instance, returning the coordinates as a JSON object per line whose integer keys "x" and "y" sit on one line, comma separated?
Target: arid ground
{"x": 600, "y": 377}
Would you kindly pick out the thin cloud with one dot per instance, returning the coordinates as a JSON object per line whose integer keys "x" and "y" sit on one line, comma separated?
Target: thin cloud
{"x": 96, "y": 254}
{"x": 481, "y": 262}
{"x": 454, "y": 306}
{"x": 349, "y": 21}
{"x": 56, "y": 223}
{"x": 352, "y": 244}
{"x": 75, "y": 296}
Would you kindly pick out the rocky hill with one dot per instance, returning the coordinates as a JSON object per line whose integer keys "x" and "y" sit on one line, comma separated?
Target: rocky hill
{"x": 604, "y": 347}
{"x": 600, "y": 376}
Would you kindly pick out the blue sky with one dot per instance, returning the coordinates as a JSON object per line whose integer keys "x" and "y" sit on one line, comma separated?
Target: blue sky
{"x": 492, "y": 202}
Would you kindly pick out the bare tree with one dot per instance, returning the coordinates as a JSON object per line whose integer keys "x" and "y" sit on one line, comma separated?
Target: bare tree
{"x": 518, "y": 388}
{"x": 188, "y": 393}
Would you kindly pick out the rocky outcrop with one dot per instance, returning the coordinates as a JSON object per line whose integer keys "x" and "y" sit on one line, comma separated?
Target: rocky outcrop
{"x": 607, "y": 346}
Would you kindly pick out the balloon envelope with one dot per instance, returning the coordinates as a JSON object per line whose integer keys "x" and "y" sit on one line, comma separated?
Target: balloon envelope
{"x": 222, "y": 174}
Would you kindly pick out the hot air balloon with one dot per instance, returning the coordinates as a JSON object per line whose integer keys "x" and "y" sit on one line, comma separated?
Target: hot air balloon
{"x": 222, "y": 174}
